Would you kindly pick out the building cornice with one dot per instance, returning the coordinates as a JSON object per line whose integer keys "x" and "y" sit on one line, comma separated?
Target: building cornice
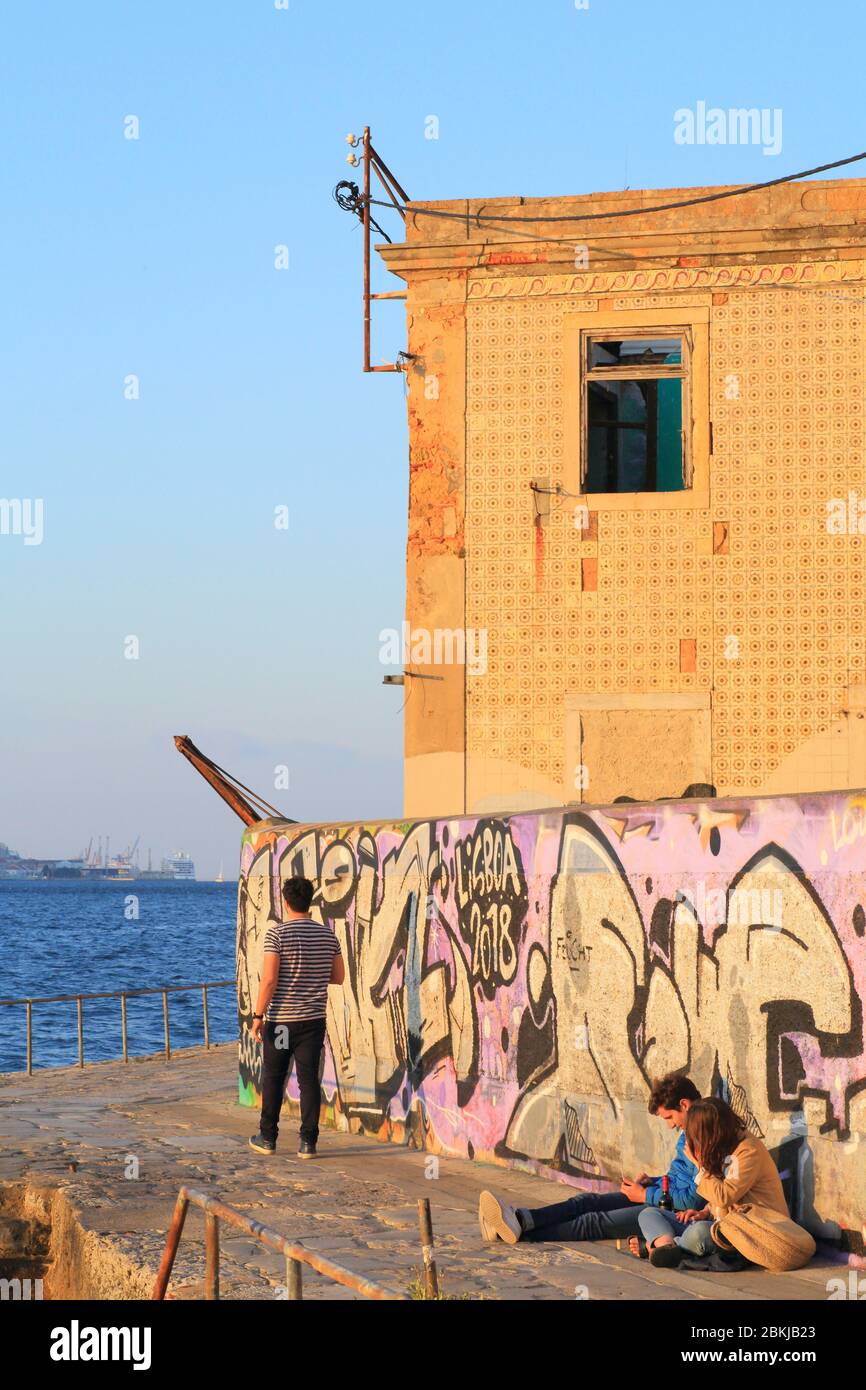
{"x": 790, "y": 222}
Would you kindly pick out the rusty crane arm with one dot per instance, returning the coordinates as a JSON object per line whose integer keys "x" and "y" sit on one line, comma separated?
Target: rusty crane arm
{"x": 228, "y": 787}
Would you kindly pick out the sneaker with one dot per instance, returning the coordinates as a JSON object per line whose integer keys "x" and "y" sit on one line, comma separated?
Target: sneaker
{"x": 306, "y": 1149}
{"x": 262, "y": 1145}
{"x": 498, "y": 1219}
{"x": 487, "y": 1231}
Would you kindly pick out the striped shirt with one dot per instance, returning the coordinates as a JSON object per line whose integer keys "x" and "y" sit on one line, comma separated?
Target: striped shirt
{"x": 306, "y": 950}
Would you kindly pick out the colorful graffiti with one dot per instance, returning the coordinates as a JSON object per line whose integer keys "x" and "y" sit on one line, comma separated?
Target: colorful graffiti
{"x": 514, "y": 984}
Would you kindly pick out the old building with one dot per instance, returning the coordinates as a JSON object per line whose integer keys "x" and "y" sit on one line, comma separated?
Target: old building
{"x": 637, "y": 496}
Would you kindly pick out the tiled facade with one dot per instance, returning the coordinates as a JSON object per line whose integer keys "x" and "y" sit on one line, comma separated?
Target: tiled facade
{"x": 742, "y": 598}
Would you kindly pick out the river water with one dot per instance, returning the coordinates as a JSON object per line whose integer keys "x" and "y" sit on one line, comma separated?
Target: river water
{"x": 73, "y": 937}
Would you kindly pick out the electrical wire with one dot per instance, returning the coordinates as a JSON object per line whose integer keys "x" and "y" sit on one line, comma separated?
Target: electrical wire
{"x": 348, "y": 196}
{"x": 738, "y": 192}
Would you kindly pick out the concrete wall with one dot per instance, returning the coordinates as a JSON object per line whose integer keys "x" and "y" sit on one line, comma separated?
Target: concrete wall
{"x": 514, "y": 983}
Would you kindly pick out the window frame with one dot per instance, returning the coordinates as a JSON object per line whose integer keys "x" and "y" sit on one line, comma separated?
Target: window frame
{"x": 691, "y": 324}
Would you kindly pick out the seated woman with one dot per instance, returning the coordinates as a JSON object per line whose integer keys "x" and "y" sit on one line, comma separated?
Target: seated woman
{"x": 733, "y": 1168}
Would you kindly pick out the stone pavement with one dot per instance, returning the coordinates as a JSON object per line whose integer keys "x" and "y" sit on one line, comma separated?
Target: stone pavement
{"x": 172, "y": 1123}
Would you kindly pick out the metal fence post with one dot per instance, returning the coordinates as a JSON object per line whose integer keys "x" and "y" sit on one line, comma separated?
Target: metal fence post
{"x": 211, "y": 1256}
{"x": 172, "y": 1241}
{"x": 165, "y": 1023}
{"x": 204, "y": 1007}
{"x": 29, "y": 1037}
{"x": 80, "y": 1002}
{"x": 431, "y": 1277}
{"x": 123, "y": 1026}
{"x": 294, "y": 1283}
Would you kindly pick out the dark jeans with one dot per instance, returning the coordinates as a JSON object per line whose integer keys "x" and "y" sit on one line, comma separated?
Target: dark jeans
{"x": 592, "y": 1216}
{"x": 303, "y": 1041}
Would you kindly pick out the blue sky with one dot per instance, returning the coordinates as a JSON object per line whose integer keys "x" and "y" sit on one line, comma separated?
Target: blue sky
{"x": 155, "y": 257}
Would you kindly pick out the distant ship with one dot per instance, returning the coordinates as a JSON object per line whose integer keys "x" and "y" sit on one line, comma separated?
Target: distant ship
{"x": 176, "y": 868}
{"x": 179, "y": 865}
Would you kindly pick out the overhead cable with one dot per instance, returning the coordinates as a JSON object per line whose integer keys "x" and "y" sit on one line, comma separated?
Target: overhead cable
{"x": 738, "y": 192}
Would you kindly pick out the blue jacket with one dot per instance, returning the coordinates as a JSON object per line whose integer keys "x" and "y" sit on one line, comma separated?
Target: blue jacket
{"x": 682, "y": 1174}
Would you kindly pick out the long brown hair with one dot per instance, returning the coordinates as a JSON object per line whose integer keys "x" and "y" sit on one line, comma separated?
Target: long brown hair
{"x": 713, "y": 1131}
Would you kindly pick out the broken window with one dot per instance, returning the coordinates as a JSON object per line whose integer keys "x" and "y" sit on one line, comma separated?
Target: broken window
{"x": 635, "y": 402}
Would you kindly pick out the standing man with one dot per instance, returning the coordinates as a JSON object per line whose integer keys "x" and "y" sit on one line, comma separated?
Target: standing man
{"x": 607, "y": 1215}
{"x": 302, "y": 958}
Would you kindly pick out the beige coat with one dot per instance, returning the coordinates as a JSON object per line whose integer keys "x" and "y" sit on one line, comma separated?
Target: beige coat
{"x": 751, "y": 1176}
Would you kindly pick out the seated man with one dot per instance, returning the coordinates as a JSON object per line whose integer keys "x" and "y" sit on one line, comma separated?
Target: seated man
{"x": 734, "y": 1168}
{"x": 605, "y": 1216}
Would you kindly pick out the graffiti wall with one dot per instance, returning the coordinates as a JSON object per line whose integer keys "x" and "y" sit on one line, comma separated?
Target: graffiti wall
{"x": 514, "y": 984}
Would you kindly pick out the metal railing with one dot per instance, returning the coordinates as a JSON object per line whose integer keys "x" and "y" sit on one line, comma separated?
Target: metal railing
{"x": 296, "y": 1255}
{"x": 122, "y": 995}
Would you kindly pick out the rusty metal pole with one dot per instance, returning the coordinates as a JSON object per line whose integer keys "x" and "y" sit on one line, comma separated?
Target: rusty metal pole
{"x": 204, "y": 1007}
{"x": 294, "y": 1280}
{"x": 211, "y": 1256}
{"x": 80, "y": 1002}
{"x": 165, "y": 1023}
{"x": 366, "y": 248}
{"x": 29, "y": 1037}
{"x": 123, "y": 1027}
{"x": 431, "y": 1277}
{"x": 172, "y": 1240}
